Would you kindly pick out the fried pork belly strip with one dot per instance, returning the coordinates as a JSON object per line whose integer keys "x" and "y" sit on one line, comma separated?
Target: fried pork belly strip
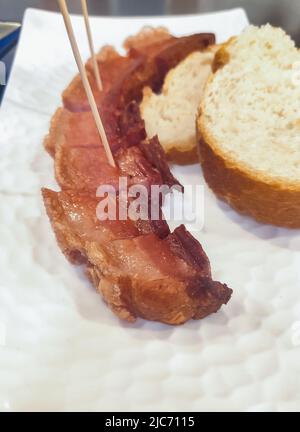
{"x": 139, "y": 275}
{"x": 139, "y": 267}
{"x": 149, "y": 56}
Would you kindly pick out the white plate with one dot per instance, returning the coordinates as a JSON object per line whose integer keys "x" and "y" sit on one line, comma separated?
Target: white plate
{"x": 60, "y": 346}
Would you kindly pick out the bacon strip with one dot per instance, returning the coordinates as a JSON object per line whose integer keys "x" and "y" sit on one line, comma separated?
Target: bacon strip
{"x": 141, "y": 269}
{"x": 138, "y": 274}
{"x": 146, "y": 63}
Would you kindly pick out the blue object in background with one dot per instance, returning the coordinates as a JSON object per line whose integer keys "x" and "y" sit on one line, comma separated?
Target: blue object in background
{"x": 9, "y": 35}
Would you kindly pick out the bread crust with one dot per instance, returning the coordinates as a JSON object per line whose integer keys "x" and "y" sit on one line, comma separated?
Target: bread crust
{"x": 268, "y": 201}
{"x": 184, "y": 157}
{"x": 222, "y": 55}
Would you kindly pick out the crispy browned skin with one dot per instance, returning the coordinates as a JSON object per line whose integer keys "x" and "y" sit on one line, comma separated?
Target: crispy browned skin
{"x": 150, "y": 55}
{"x": 139, "y": 275}
{"x": 140, "y": 268}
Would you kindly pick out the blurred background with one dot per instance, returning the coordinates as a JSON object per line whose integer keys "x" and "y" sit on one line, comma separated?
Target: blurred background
{"x": 283, "y": 13}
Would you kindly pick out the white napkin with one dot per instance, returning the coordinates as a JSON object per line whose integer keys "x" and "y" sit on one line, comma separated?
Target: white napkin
{"x": 60, "y": 346}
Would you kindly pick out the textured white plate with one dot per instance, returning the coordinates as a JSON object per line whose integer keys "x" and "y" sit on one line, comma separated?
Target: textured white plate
{"x": 60, "y": 347}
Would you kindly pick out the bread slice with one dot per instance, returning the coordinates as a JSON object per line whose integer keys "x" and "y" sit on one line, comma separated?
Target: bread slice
{"x": 172, "y": 113}
{"x": 249, "y": 126}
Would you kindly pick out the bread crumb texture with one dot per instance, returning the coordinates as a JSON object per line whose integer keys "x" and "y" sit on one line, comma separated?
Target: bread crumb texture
{"x": 172, "y": 113}
{"x": 252, "y": 105}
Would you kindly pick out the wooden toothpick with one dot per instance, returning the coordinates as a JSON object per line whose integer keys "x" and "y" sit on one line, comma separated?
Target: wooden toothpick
{"x": 91, "y": 44}
{"x": 85, "y": 81}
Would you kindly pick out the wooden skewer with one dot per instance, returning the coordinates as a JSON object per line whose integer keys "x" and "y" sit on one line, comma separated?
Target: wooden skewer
{"x": 91, "y": 44}
{"x": 85, "y": 81}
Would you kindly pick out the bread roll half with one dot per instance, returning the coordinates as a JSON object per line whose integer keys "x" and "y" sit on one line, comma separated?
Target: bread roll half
{"x": 249, "y": 126}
